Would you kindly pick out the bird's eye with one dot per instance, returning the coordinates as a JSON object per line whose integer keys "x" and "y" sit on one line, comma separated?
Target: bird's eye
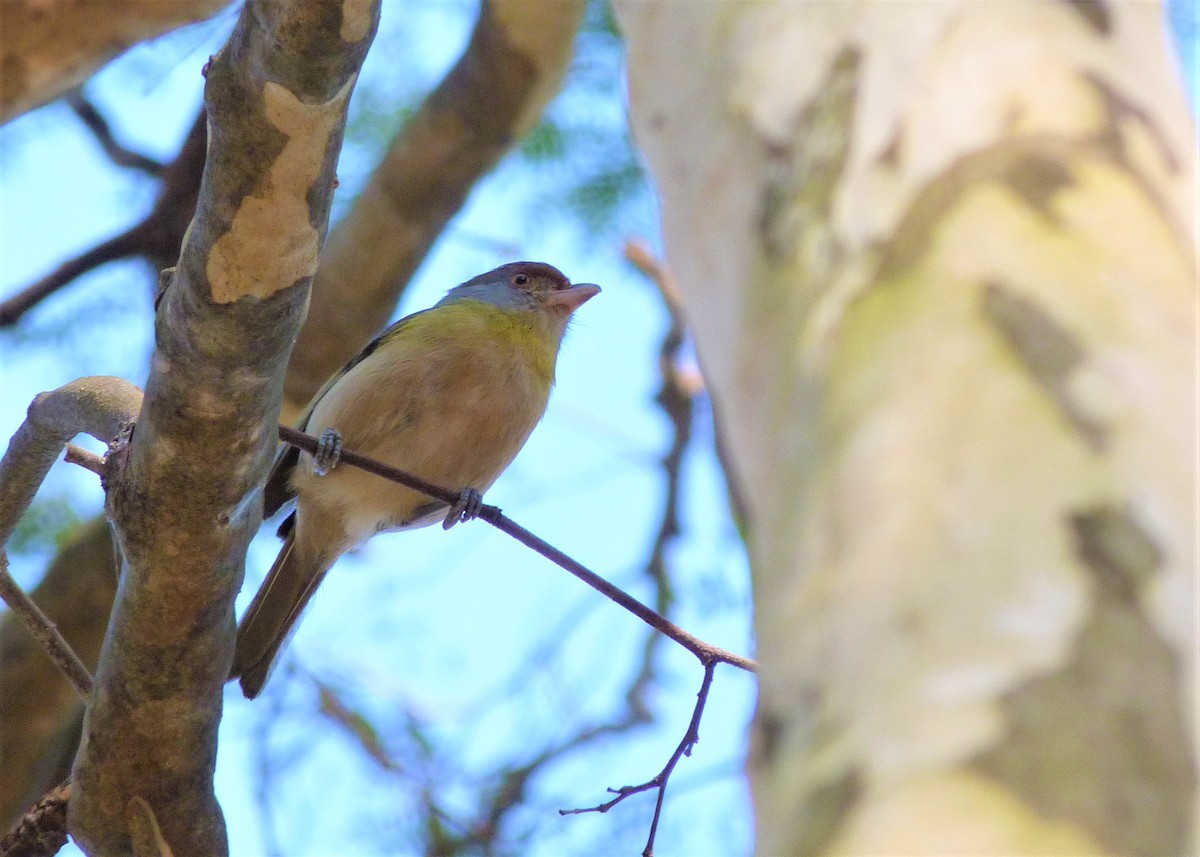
{"x": 521, "y": 279}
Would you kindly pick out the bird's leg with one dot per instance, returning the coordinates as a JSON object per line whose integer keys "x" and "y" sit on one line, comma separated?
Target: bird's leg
{"x": 329, "y": 451}
{"x": 465, "y": 508}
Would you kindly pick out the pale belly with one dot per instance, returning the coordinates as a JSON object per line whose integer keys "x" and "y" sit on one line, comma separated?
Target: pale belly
{"x": 456, "y": 424}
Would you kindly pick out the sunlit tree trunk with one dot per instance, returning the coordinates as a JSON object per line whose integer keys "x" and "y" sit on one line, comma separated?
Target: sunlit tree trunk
{"x": 940, "y": 262}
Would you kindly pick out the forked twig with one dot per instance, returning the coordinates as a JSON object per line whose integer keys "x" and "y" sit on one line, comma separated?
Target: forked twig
{"x": 659, "y": 781}
{"x": 707, "y": 654}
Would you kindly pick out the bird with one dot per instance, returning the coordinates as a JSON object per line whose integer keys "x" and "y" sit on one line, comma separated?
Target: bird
{"x": 450, "y": 394}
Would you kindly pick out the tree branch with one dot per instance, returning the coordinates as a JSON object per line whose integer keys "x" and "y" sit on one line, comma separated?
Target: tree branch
{"x": 181, "y": 494}
{"x": 118, "y": 247}
{"x": 98, "y": 125}
{"x": 39, "y": 718}
{"x": 690, "y": 738}
{"x": 158, "y": 237}
{"x": 40, "y": 713}
{"x": 639, "y": 255}
{"x": 85, "y": 458}
{"x": 98, "y": 406}
{"x": 705, "y": 652}
{"x": 43, "y": 631}
{"x": 42, "y": 831}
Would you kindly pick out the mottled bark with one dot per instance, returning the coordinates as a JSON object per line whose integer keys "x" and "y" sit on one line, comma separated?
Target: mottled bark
{"x": 40, "y": 715}
{"x": 940, "y": 259}
{"x": 512, "y": 67}
{"x": 182, "y": 494}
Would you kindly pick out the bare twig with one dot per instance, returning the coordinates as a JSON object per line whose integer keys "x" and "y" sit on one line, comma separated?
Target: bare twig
{"x": 157, "y": 238}
{"x": 690, "y": 739}
{"x": 40, "y": 713}
{"x": 640, "y": 256}
{"x": 676, "y": 398}
{"x": 85, "y": 458}
{"x": 98, "y": 125}
{"x": 705, "y": 652}
{"x": 44, "y": 631}
{"x": 118, "y": 247}
{"x": 42, "y": 830}
{"x": 515, "y": 781}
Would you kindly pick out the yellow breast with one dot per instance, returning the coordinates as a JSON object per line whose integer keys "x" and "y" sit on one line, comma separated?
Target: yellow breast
{"x": 450, "y": 395}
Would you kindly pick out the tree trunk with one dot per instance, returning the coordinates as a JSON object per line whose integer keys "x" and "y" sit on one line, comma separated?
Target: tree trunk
{"x": 940, "y": 261}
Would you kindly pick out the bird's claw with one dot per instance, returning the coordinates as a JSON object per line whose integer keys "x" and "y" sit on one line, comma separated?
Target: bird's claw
{"x": 465, "y": 508}
{"x": 329, "y": 451}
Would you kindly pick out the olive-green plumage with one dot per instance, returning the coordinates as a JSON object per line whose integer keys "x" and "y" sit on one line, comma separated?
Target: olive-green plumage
{"x": 449, "y": 394}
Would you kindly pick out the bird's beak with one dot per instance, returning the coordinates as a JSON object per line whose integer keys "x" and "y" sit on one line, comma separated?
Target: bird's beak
{"x": 572, "y": 298}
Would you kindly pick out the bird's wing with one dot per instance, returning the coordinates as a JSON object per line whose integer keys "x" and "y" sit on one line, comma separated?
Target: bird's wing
{"x": 278, "y": 490}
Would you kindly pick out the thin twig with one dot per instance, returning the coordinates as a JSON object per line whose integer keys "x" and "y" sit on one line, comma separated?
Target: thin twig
{"x": 659, "y": 781}
{"x": 44, "y": 631}
{"x": 705, "y": 652}
{"x": 156, "y": 238}
{"x": 120, "y": 155}
{"x": 85, "y": 458}
{"x": 674, "y": 395}
{"x": 676, "y": 399}
{"x": 121, "y": 246}
{"x": 639, "y": 255}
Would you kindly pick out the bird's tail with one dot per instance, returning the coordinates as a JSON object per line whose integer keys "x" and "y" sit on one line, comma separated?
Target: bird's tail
{"x": 271, "y": 616}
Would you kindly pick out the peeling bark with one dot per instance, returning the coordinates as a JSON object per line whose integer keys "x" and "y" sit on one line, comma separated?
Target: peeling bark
{"x": 182, "y": 495}
{"x": 940, "y": 259}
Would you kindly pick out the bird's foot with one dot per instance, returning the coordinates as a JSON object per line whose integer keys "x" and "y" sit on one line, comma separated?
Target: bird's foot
{"x": 329, "y": 451}
{"x": 465, "y": 508}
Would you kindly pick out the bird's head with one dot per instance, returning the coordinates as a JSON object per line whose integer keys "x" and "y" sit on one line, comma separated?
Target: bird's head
{"x": 526, "y": 287}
